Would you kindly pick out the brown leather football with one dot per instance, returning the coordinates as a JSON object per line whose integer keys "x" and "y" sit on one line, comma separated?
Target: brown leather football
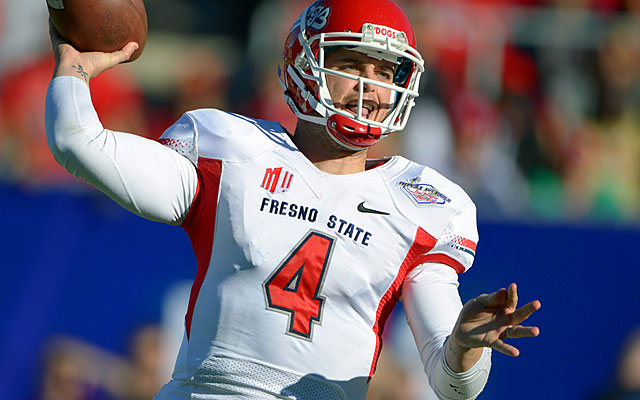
{"x": 100, "y": 25}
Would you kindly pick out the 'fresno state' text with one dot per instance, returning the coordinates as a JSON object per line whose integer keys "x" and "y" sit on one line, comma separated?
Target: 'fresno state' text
{"x": 350, "y": 230}
{"x": 289, "y": 209}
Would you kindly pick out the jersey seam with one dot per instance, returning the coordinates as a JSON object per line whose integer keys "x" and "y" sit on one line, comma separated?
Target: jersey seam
{"x": 243, "y": 160}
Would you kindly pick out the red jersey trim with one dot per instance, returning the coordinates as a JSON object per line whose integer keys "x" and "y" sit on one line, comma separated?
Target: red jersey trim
{"x": 442, "y": 258}
{"x": 422, "y": 243}
{"x": 200, "y": 226}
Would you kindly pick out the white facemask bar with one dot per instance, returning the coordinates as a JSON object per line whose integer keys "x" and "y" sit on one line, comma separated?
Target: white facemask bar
{"x": 396, "y": 106}
{"x": 388, "y": 48}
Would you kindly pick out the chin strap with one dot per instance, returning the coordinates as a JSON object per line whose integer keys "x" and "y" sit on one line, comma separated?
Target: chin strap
{"x": 351, "y": 134}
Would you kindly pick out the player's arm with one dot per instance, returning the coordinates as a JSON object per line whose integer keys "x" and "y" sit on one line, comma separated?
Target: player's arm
{"x": 455, "y": 342}
{"x": 140, "y": 174}
{"x": 432, "y": 305}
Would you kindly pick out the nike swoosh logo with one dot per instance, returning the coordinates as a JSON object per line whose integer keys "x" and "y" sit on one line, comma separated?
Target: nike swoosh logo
{"x": 364, "y": 209}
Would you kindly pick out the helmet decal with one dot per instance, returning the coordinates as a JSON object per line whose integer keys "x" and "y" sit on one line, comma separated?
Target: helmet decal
{"x": 317, "y": 16}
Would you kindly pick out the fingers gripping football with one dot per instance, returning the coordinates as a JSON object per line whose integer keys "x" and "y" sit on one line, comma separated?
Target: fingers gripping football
{"x": 71, "y": 62}
{"x": 100, "y": 25}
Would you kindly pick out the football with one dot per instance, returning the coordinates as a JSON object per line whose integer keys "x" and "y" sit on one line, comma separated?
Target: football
{"x": 100, "y": 25}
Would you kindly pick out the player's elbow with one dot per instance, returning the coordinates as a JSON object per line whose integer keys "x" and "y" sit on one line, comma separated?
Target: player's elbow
{"x": 69, "y": 144}
{"x": 62, "y": 145}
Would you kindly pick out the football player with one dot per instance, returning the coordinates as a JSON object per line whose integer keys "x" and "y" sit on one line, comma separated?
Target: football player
{"x": 303, "y": 244}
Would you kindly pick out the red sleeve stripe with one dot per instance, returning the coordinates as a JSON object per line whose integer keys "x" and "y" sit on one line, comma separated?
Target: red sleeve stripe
{"x": 467, "y": 243}
{"x": 422, "y": 243}
{"x": 443, "y": 259}
{"x": 200, "y": 224}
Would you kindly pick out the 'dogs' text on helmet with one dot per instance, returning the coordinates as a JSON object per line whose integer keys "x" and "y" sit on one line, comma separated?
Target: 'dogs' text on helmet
{"x": 377, "y": 28}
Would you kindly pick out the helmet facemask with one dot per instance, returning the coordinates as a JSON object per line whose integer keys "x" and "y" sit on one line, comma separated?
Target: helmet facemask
{"x": 309, "y": 75}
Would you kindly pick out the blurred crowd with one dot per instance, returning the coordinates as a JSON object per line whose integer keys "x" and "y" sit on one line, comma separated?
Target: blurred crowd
{"x": 73, "y": 369}
{"x": 532, "y": 106}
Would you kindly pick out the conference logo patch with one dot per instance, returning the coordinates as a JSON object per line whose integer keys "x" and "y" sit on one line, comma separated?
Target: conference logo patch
{"x": 422, "y": 194}
{"x": 277, "y": 180}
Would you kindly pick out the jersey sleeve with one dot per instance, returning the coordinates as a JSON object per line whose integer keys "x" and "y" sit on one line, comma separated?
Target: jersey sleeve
{"x": 218, "y": 135}
{"x": 143, "y": 176}
{"x": 432, "y": 305}
{"x": 182, "y": 137}
{"x": 456, "y": 245}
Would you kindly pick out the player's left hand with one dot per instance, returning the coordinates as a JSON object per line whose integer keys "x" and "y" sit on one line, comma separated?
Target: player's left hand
{"x": 489, "y": 319}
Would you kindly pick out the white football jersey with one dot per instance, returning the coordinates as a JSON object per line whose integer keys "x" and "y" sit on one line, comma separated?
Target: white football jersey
{"x": 298, "y": 269}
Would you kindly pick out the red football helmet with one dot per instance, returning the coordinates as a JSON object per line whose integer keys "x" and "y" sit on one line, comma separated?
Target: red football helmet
{"x": 377, "y": 28}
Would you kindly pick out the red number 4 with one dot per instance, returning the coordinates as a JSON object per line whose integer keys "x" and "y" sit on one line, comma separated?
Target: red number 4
{"x": 294, "y": 287}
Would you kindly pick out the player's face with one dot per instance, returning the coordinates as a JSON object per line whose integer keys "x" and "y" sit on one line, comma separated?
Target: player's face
{"x": 344, "y": 91}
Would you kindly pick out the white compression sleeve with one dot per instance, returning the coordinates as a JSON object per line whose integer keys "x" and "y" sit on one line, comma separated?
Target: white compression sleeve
{"x": 432, "y": 304}
{"x": 142, "y": 175}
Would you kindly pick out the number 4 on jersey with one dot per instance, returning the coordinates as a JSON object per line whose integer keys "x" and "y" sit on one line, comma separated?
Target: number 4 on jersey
{"x": 294, "y": 287}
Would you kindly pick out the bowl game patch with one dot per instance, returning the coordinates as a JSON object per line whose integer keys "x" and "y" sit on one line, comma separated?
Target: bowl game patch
{"x": 422, "y": 194}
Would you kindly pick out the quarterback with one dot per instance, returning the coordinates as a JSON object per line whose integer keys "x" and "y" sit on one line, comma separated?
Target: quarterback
{"x": 303, "y": 244}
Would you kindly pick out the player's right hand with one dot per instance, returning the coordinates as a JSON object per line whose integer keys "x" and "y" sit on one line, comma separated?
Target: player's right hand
{"x": 84, "y": 65}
